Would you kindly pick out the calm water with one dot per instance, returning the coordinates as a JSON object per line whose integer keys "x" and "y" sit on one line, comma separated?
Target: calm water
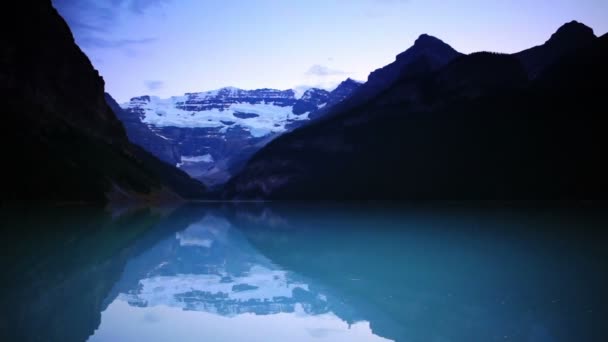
{"x": 307, "y": 273}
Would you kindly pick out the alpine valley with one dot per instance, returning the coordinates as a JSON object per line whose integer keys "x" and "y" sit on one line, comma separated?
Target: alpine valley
{"x": 452, "y": 196}
{"x": 211, "y": 135}
{"x": 434, "y": 124}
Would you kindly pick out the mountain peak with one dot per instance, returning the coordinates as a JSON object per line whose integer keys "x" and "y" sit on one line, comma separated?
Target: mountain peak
{"x": 315, "y": 93}
{"x": 347, "y": 85}
{"x": 315, "y": 90}
{"x": 574, "y": 25}
{"x": 348, "y": 82}
{"x": 426, "y": 40}
{"x": 143, "y": 98}
{"x": 433, "y": 50}
{"x": 427, "y": 45}
{"x": 569, "y": 37}
{"x": 573, "y": 32}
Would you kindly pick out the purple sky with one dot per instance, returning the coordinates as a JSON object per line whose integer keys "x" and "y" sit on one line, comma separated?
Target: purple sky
{"x": 169, "y": 47}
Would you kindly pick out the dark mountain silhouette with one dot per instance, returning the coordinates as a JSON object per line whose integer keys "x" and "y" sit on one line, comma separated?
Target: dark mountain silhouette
{"x": 427, "y": 52}
{"x": 476, "y": 128}
{"x": 433, "y": 49}
{"x": 570, "y": 37}
{"x": 63, "y": 142}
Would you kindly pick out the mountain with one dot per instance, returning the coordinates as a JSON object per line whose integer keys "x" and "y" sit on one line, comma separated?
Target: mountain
{"x": 138, "y": 131}
{"x": 210, "y": 135}
{"x": 475, "y": 128}
{"x": 310, "y": 101}
{"x": 570, "y": 37}
{"x": 428, "y": 52}
{"x": 343, "y": 91}
{"x": 338, "y": 96}
{"x": 63, "y": 142}
{"x": 433, "y": 50}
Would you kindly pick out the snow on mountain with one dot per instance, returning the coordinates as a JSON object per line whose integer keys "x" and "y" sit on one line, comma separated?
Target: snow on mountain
{"x": 261, "y": 112}
{"x": 211, "y": 134}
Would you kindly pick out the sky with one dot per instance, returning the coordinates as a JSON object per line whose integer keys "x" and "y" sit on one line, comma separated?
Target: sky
{"x": 170, "y": 47}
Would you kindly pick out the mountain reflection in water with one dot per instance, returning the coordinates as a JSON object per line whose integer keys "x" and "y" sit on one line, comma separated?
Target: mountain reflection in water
{"x": 301, "y": 273}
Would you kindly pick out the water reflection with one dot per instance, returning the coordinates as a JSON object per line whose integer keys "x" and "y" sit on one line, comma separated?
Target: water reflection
{"x": 214, "y": 285}
{"x": 210, "y": 267}
{"x": 333, "y": 273}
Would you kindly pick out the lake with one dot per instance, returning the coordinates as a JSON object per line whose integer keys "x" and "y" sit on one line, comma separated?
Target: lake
{"x": 305, "y": 272}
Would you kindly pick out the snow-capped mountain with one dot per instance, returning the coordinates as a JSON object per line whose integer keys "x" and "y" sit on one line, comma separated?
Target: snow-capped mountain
{"x": 211, "y": 134}
{"x": 260, "y": 112}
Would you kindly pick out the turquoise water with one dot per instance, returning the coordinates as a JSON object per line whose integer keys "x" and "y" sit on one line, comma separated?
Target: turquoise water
{"x": 449, "y": 272}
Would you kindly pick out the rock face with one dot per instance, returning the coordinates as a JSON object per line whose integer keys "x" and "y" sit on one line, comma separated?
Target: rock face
{"x": 138, "y": 131}
{"x": 311, "y": 101}
{"x": 210, "y": 135}
{"x": 478, "y": 127}
{"x": 65, "y": 143}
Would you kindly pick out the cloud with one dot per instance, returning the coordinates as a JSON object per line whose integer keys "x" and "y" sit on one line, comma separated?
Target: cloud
{"x": 378, "y": 9}
{"x": 91, "y": 21}
{"x": 102, "y": 43}
{"x": 327, "y": 85}
{"x": 322, "y": 71}
{"x": 154, "y": 85}
{"x": 141, "y": 6}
